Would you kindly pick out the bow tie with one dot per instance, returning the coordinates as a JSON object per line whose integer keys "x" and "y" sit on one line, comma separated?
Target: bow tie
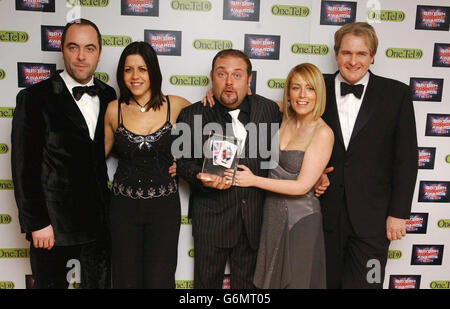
{"x": 357, "y": 90}
{"x": 80, "y": 90}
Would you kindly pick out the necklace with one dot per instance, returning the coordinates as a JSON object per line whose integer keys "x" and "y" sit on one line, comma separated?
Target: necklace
{"x": 143, "y": 107}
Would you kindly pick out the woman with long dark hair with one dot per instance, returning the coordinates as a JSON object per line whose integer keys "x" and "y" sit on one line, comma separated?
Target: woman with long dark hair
{"x": 145, "y": 206}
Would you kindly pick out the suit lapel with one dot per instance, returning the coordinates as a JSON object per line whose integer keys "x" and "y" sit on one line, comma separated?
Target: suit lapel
{"x": 99, "y": 130}
{"x": 367, "y": 108}
{"x": 332, "y": 116}
{"x": 67, "y": 104}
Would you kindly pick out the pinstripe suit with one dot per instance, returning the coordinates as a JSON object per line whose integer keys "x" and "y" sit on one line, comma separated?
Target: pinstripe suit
{"x": 226, "y": 223}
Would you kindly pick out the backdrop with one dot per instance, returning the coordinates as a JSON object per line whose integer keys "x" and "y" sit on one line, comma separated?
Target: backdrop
{"x": 276, "y": 34}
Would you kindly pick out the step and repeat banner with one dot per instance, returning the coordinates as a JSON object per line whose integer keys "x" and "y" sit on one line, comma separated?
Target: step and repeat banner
{"x": 277, "y": 35}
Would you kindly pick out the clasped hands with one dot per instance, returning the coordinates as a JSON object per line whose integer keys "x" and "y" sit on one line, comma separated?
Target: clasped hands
{"x": 242, "y": 178}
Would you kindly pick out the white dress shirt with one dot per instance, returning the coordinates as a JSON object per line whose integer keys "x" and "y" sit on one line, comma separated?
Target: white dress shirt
{"x": 348, "y": 106}
{"x": 89, "y": 106}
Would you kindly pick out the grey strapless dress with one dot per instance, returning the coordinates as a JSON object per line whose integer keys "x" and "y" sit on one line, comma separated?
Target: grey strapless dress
{"x": 291, "y": 252}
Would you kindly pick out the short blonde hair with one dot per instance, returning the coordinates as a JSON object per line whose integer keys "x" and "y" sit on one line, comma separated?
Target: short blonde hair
{"x": 312, "y": 75}
{"x": 360, "y": 29}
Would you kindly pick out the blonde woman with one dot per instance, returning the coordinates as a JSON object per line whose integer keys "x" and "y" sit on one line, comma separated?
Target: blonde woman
{"x": 291, "y": 252}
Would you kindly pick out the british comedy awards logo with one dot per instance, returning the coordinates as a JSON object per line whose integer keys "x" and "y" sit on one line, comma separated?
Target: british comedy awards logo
{"x": 426, "y": 89}
{"x": 51, "y": 38}
{"x": 441, "y": 55}
{"x": 164, "y": 42}
{"x": 36, "y": 5}
{"x": 427, "y": 254}
{"x": 417, "y": 223}
{"x": 140, "y": 7}
{"x": 432, "y": 17}
{"x": 337, "y": 12}
{"x": 426, "y": 157}
{"x": 247, "y": 10}
{"x": 438, "y": 125}
{"x": 33, "y": 73}
{"x": 434, "y": 192}
{"x": 262, "y": 46}
{"x": 404, "y": 282}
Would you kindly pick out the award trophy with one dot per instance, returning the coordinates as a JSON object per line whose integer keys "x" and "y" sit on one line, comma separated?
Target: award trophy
{"x": 221, "y": 154}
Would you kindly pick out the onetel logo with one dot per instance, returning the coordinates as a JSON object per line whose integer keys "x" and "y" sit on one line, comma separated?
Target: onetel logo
{"x": 447, "y": 159}
{"x": 102, "y": 76}
{"x": 212, "y": 44}
{"x": 310, "y": 49}
{"x": 2, "y": 74}
{"x": 404, "y": 53}
{"x": 7, "y": 285}
{"x": 14, "y": 253}
{"x": 13, "y": 36}
{"x": 440, "y": 285}
{"x": 116, "y": 40}
{"x": 276, "y": 83}
{"x": 394, "y": 254}
{"x": 383, "y": 15}
{"x": 191, "y": 253}
{"x": 189, "y": 80}
{"x": 290, "y": 10}
{"x": 184, "y": 284}
{"x": 444, "y": 224}
{"x": 6, "y": 112}
{"x": 191, "y": 5}
{"x": 91, "y": 3}
{"x": 3, "y": 148}
{"x": 6, "y": 184}
{"x": 5, "y": 219}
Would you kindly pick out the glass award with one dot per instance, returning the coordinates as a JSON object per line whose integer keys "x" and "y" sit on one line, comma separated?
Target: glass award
{"x": 221, "y": 154}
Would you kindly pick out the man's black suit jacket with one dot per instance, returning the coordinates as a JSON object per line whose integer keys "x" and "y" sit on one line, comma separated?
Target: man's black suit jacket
{"x": 218, "y": 216}
{"x": 375, "y": 177}
{"x": 59, "y": 173}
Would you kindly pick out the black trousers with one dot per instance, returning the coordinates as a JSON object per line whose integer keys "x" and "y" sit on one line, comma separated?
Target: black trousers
{"x": 353, "y": 262}
{"x": 144, "y": 236}
{"x": 52, "y": 269}
{"x": 210, "y": 262}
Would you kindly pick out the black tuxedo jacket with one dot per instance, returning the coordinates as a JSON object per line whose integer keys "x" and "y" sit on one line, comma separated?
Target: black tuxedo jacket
{"x": 375, "y": 177}
{"x": 218, "y": 216}
{"x": 59, "y": 173}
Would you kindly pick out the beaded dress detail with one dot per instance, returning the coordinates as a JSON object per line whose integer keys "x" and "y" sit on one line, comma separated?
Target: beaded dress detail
{"x": 144, "y": 161}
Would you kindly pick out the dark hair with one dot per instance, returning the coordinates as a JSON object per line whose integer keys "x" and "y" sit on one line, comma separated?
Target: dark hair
{"x": 147, "y": 52}
{"x": 83, "y": 22}
{"x": 233, "y": 53}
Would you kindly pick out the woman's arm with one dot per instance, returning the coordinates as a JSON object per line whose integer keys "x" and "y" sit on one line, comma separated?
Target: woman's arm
{"x": 315, "y": 160}
{"x": 110, "y": 125}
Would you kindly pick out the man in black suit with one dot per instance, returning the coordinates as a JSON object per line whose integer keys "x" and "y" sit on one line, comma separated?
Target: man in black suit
{"x": 374, "y": 159}
{"x": 226, "y": 221}
{"x": 59, "y": 169}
